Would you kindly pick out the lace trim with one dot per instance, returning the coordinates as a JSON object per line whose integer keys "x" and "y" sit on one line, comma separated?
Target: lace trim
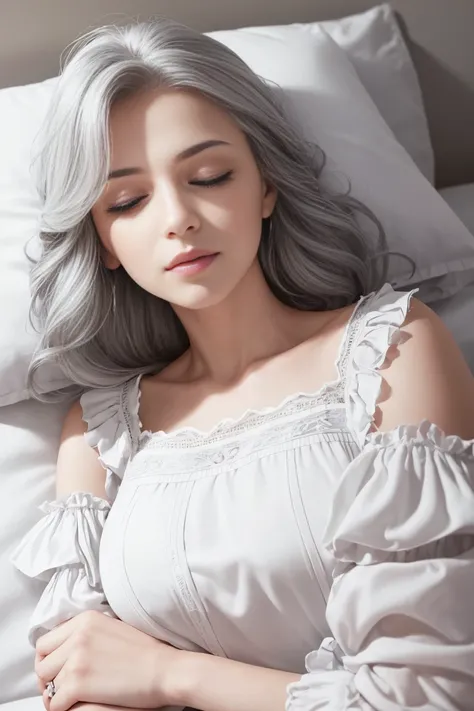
{"x": 131, "y": 418}
{"x": 329, "y": 395}
{"x": 157, "y": 459}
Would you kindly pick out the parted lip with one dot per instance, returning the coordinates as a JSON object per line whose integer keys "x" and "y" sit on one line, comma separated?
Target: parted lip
{"x": 185, "y": 257}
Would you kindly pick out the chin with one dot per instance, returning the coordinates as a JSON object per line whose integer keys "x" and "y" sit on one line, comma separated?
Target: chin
{"x": 202, "y": 298}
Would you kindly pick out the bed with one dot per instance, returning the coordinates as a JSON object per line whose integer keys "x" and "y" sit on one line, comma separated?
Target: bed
{"x": 429, "y": 130}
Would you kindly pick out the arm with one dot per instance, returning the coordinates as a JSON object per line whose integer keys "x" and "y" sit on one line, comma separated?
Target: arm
{"x": 78, "y": 466}
{"x": 78, "y": 470}
{"x": 210, "y": 683}
{"x": 62, "y": 548}
{"x": 420, "y": 655}
{"x": 426, "y": 378}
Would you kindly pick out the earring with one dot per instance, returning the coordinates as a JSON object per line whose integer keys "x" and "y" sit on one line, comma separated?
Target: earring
{"x": 270, "y": 227}
{"x": 113, "y": 305}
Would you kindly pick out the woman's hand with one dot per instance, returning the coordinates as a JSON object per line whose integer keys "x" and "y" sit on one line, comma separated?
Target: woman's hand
{"x": 101, "y": 660}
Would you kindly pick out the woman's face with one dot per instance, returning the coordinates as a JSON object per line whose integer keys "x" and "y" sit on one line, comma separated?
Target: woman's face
{"x": 182, "y": 178}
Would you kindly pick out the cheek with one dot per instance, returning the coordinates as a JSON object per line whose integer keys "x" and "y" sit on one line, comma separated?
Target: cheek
{"x": 129, "y": 236}
{"x": 103, "y": 226}
{"x": 241, "y": 209}
{"x": 135, "y": 245}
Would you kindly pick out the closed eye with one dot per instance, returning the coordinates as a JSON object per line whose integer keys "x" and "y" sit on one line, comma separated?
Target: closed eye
{"x": 213, "y": 181}
{"x": 123, "y": 207}
{"x": 126, "y": 206}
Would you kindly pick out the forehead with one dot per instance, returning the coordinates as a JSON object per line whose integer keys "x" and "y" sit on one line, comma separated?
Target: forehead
{"x": 167, "y": 121}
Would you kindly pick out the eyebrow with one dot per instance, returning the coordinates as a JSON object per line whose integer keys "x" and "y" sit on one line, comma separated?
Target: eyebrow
{"x": 187, "y": 153}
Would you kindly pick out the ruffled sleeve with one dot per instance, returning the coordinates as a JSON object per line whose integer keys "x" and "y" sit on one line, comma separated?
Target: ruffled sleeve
{"x": 113, "y": 428}
{"x": 378, "y": 327}
{"x": 62, "y": 549}
{"x": 401, "y": 607}
{"x": 401, "y": 532}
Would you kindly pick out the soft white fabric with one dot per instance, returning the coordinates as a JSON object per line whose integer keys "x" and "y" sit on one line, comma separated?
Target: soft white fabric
{"x": 34, "y": 703}
{"x": 29, "y": 435}
{"x": 293, "y": 533}
{"x": 319, "y": 83}
{"x": 111, "y": 431}
{"x": 359, "y": 144}
{"x": 460, "y": 199}
{"x": 376, "y": 48}
{"x": 317, "y": 99}
{"x": 404, "y": 626}
{"x": 63, "y": 550}
{"x": 22, "y": 110}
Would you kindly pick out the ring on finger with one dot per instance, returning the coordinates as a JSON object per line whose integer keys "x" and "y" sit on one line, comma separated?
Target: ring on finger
{"x": 51, "y": 689}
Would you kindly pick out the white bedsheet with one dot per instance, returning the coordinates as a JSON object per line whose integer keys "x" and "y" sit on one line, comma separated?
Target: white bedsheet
{"x": 29, "y": 439}
{"x": 32, "y": 704}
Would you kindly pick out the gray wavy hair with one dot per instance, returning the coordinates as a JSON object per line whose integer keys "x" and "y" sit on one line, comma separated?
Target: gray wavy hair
{"x": 98, "y": 325}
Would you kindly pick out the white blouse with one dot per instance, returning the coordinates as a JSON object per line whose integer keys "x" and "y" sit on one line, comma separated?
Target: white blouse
{"x": 292, "y": 538}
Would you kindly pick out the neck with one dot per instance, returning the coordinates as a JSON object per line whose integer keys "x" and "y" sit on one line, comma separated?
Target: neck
{"x": 250, "y": 325}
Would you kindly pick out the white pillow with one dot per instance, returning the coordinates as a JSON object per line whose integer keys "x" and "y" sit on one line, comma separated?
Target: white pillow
{"x": 327, "y": 100}
{"x": 21, "y": 112}
{"x": 374, "y": 44}
{"x": 333, "y": 109}
{"x": 29, "y": 440}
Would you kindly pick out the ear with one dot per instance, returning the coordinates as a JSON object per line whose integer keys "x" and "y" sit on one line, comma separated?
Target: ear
{"x": 109, "y": 260}
{"x": 269, "y": 199}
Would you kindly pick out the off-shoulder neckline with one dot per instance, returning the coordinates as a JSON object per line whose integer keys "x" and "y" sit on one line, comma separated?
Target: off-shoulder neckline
{"x": 331, "y": 392}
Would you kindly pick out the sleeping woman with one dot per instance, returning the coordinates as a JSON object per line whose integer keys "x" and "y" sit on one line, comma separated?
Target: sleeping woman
{"x": 265, "y": 482}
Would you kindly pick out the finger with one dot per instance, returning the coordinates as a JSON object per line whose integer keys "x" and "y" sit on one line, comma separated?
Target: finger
{"x": 46, "y": 701}
{"x": 48, "y": 667}
{"x": 67, "y": 692}
{"x": 66, "y": 697}
{"x": 84, "y": 620}
{"x": 41, "y": 684}
{"x": 48, "y": 642}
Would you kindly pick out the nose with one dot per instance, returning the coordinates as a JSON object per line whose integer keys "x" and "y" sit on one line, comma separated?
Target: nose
{"x": 180, "y": 215}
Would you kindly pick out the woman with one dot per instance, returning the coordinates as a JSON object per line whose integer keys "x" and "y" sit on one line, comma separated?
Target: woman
{"x": 278, "y": 456}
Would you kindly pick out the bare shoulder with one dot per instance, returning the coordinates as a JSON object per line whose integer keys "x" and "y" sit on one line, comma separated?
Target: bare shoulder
{"x": 427, "y": 378}
{"x": 78, "y": 466}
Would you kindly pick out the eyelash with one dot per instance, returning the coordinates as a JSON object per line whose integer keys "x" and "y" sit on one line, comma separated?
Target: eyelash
{"x": 219, "y": 180}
